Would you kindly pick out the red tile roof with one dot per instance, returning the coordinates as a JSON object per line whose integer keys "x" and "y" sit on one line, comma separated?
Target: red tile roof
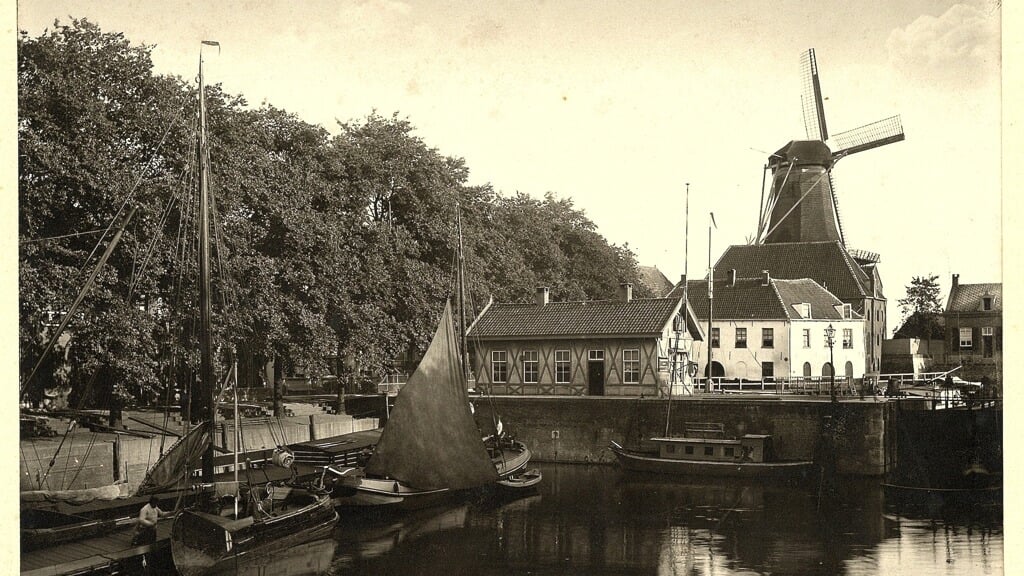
{"x": 967, "y": 297}
{"x": 827, "y": 263}
{"x": 597, "y": 318}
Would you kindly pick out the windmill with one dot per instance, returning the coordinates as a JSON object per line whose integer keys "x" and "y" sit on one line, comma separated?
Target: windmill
{"x": 801, "y": 205}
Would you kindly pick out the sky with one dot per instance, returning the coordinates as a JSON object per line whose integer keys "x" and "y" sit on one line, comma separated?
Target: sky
{"x": 620, "y": 105}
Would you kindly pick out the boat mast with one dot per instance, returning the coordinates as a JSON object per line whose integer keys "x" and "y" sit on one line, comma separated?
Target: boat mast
{"x": 461, "y": 287}
{"x": 207, "y": 409}
{"x": 686, "y": 311}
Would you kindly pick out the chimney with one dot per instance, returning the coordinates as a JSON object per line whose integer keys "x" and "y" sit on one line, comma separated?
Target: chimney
{"x": 956, "y": 282}
{"x": 732, "y": 278}
{"x": 766, "y": 278}
{"x": 542, "y": 296}
{"x": 626, "y": 292}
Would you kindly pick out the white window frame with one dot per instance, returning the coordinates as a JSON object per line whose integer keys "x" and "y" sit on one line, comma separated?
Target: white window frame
{"x": 563, "y": 367}
{"x": 848, "y": 338}
{"x": 631, "y": 366}
{"x": 595, "y": 355}
{"x": 968, "y": 341}
{"x": 715, "y": 337}
{"x": 988, "y": 331}
{"x": 742, "y": 341}
{"x": 806, "y": 337}
{"x": 499, "y": 358}
{"x": 531, "y": 367}
{"x": 770, "y": 333}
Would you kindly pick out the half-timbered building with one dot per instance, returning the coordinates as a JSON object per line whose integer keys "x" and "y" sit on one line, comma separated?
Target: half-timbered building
{"x": 618, "y": 347}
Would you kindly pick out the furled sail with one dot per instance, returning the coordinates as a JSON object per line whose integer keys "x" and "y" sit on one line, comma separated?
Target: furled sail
{"x": 431, "y": 440}
{"x": 169, "y": 472}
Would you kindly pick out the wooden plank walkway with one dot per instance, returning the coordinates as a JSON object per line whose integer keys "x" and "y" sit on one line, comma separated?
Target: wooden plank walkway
{"x": 92, "y": 554}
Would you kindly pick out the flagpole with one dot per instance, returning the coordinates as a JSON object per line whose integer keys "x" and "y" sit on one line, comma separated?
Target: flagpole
{"x": 711, "y": 306}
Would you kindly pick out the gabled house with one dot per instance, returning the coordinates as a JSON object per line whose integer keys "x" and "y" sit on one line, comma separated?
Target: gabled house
{"x": 768, "y": 329}
{"x": 851, "y": 275}
{"x": 974, "y": 329}
{"x": 615, "y": 347}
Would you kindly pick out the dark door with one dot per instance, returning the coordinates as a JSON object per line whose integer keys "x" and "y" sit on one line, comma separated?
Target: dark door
{"x": 595, "y": 377}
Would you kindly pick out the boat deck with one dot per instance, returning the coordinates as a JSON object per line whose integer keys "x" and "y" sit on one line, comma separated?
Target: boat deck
{"x": 94, "y": 554}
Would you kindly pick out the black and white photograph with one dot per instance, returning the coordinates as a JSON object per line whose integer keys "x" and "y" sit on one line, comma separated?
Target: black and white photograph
{"x": 552, "y": 287}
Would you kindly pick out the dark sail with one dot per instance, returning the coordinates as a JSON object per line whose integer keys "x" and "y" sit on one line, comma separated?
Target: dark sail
{"x": 169, "y": 472}
{"x": 431, "y": 440}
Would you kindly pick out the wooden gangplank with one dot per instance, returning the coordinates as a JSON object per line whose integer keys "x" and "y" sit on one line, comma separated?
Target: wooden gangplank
{"x": 110, "y": 552}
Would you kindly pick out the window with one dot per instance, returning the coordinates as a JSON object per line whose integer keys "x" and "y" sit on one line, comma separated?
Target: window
{"x": 689, "y": 449}
{"x": 848, "y": 312}
{"x": 563, "y": 367}
{"x": 767, "y": 338}
{"x": 847, "y": 338}
{"x": 671, "y": 448}
{"x": 715, "y": 341}
{"x": 986, "y": 303}
{"x": 709, "y": 450}
{"x": 966, "y": 341}
{"x": 530, "y": 366}
{"x": 767, "y": 370}
{"x": 805, "y": 310}
{"x": 807, "y": 337}
{"x": 741, "y": 337}
{"x": 729, "y": 451}
{"x": 595, "y": 355}
{"x": 987, "y": 341}
{"x": 499, "y": 366}
{"x": 631, "y": 366}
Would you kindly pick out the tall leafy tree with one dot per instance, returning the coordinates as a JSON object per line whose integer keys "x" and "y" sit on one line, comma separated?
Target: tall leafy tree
{"x": 921, "y": 309}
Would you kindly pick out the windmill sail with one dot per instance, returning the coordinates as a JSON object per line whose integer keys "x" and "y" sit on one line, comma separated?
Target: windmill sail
{"x": 431, "y": 440}
{"x": 802, "y": 204}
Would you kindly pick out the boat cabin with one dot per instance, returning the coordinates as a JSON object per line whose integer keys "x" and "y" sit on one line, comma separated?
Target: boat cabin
{"x": 748, "y": 448}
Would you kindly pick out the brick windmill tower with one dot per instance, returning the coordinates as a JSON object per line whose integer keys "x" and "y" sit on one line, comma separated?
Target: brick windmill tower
{"x": 801, "y": 205}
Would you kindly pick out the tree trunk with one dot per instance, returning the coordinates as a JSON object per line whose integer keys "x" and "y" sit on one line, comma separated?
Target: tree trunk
{"x": 278, "y": 385}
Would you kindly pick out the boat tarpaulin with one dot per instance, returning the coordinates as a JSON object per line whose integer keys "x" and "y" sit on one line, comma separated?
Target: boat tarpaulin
{"x": 431, "y": 440}
{"x": 169, "y": 472}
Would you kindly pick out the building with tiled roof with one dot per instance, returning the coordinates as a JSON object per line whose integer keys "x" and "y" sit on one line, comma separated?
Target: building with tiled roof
{"x": 615, "y": 347}
{"x": 974, "y": 329}
{"x": 654, "y": 279}
{"x": 765, "y": 328}
{"x": 854, "y": 281}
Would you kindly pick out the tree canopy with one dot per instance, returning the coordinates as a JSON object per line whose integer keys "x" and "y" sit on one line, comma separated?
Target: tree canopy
{"x": 921, "y": 310}
{"x": 331, "y": 251}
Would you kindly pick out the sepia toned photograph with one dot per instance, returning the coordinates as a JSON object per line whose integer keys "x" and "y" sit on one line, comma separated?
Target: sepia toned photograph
{"x": 550, "y": 287}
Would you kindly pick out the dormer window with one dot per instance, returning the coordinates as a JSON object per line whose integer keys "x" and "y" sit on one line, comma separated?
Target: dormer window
{"x": 805, "y": 310}
{"x": 847, "y": 312}
{"x": 986, "y": 303}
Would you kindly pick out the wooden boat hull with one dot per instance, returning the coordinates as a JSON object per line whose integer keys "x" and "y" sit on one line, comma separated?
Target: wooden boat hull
{"x": 645, "y": 462}
{"x": 522, "y": 482}
{"x": 361, "y": 491}
{"x": 204, "y": 543}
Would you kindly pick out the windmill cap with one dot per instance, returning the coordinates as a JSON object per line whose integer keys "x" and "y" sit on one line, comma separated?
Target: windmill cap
{"x": 803, "y": 153}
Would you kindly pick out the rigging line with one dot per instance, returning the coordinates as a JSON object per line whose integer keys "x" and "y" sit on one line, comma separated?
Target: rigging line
{"x": 61, "y": 237}
{"x": 773, "y": 199}
{"x": 788, "y": 212}
{"x": 134, "y": 188}
{"x": 40, "y": 477}
{"x": 78, "y": 301}
{"x": 67, "y": 463}
{"x": 151, "y": 249}
{"x": 85, "y": 459}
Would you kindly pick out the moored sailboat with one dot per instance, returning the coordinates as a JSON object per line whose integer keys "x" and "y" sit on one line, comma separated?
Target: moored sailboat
{"x": 272, "y": 516}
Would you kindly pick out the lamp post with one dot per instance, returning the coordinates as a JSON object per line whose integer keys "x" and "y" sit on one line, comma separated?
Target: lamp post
{"x": 830, "y": 338}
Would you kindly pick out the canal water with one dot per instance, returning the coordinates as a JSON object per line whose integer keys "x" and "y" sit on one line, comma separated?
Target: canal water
{"x": 597, "y": 520}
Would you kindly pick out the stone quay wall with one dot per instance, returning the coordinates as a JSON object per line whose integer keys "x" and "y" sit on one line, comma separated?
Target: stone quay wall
{"x": 579, "y": 429}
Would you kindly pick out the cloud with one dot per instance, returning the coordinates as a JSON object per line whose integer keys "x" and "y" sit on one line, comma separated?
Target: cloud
{"x": 958, "y": 49}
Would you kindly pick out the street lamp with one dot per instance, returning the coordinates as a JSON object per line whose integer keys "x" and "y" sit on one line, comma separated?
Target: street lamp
{"x": 830, "y": 338}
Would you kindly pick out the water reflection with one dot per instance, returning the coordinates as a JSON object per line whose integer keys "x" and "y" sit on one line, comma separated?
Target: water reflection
{"x": 598, "y": 520}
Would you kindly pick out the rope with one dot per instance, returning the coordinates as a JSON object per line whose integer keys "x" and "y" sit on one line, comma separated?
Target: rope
{"x": 61, "y": 237}
{"x": 85, "y": 458}
{"x": 67, "y": 463}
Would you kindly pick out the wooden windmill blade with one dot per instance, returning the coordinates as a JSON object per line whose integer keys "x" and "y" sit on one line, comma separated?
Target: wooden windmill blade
{"x": 835, "y": 207}
{"x": 867, "y": 137}
{"x": 810, "y": 97}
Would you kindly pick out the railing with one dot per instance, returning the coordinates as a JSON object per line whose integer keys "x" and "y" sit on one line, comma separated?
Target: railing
{"x": 812, "y": 385}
